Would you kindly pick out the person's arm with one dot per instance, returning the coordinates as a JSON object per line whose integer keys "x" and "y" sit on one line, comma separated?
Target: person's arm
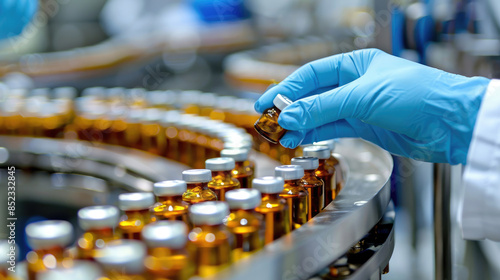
{"x": 15, "y": 15}
{"x": 480, "y": 216}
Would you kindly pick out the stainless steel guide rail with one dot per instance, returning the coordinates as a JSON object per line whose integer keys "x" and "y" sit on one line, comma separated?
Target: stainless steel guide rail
{"x": 299, "y": 255}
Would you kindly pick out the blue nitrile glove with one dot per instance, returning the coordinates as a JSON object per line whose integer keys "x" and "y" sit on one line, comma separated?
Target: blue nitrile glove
{"x": 406, "y": 108}
{"x": 14, "y": 15}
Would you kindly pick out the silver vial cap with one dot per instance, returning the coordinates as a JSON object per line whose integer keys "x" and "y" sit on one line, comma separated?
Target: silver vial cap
{"x": 126, "y": 256}
{"x": 197, "y": 175}
{"x": 169, "y": 187}
{"x": 329, "y": 143}
{"x": 220, "y": 164}
{"x": 167, "y": 234}
{"x": 236, "y": 154}
{"x": 281, "y": 101}
{"x": 289, "y": 172}
{"x": 243, "y": 198}
{"x": 135, "y": 201}
{"x": 308, "y": 163}
{"x": 98, "y": 217}
{"x": 244, "y": 144}
{"x": 79, "y": 270}
{"x": 321, "y": 152}
{"x": 48, "y": 234}
{"x": 268, "y": 184}
{"x": 64, "y": 92}
{"x": 208, "y": 213}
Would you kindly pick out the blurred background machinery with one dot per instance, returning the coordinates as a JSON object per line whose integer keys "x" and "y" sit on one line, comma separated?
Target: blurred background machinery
{"x": 237, "y": 48}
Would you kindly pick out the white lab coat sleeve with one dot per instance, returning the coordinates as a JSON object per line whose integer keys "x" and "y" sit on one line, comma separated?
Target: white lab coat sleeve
{"x": 480, "y": 218}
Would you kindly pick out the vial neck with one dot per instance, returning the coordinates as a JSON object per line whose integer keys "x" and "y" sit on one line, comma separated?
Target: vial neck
{"x": 201, "y": 185}
{"x": 56, "y": 251}
{"x": 272, "y": 197}
{"x": 164, "y": 251}
{"x": 292, "y": 183}
{"x": 243, "y": 211}
{"x": 322, "y": 164}
{"x": 309, "y": 173}
{"x": 132, "y": 213}
{"x": 169, "y": 199}
{"x": 239, "y": 164}
{"x": 210, "y": 228}
{"x": 102, "y": 232}
{"x": 225, "y": 175}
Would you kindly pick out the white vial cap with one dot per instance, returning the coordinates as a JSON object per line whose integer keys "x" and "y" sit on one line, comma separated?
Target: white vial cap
{"x": 64, "y": 92}
{"x": 48, "y": 234}
{"x": 98, "y": 217}
{"x": 308, "y": 163}
{"x": 197, "y": 175}
{"x": 169, "y": 188}
{"x": 127, "y": 256}
{"x": 244, "y": 144}
{"x": 220, "y": 164}
{"x": 167, "y": 234}
{"x": 321, "y": 152}
{"x": 79, "y": 270}
{"x": 289, "y": 172}
{"x": 281, "y": 101}
{"x": 243, "y": 198}
{"x": 236, "y": 154}
{"x": 208, "y": 213}
{"x": 135, "y": 201}
{"x": 329, "y": 143}
{"x": 268, "y": 184}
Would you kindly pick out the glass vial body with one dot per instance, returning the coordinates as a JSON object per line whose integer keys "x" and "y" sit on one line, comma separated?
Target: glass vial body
{"x": 294, "y": 193}
{"x": 123, "y": 260}
{"x": 170, "y": 205}
{"x": 312, "y": 184}
{"x": 136, "y": 213}
{"x": 274, "y": 209}
{"x": 242, "y": 171}
{"x": 325, "y": 171}
{"x": 209, "y": 240}
{"x": 222, "y": 180}
{"x": 197, "y": 186}
{"x": 267, "y": 125}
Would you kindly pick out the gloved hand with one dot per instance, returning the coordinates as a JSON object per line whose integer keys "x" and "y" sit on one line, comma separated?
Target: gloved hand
{"x": 404, "y": 107}
{"x": 14, "y": 15}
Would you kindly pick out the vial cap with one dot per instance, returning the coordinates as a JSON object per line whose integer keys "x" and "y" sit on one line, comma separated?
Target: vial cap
{"x": 64, "y": 92}
{"x": 169, "y": 188}
{"x": 48, "y": 234}
{"x": 268, "y": 184}
{"x": 220, "y": 164}
{"x": 289, "y": 172}
{"x": 124, "y": 255}
{"x": 135, "y": 201}
{"x": 281, "y": 101}
{"x": 236, "y": 154}
{"x": 243, "y": 198}
{"x": 197, "y": 175}
{"x": 308, "y": 163}
{"x": 98, "y": 217}
{"x": 208, "y": 213}
{"x": 167, "y": 234}
{"x": 238, "y": 145}
{"x": 321, "y": 152}
{"x": 329, "y": 143}
{"x": 98, "y": 92}
{"x": 41, "y": 92}
{"x": 79, "y": 270}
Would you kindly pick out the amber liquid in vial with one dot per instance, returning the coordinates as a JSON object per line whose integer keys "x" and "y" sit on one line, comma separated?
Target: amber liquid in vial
{"x": 243, "y": 173}
{"x": 326, "y": 172}
{"x": 267, "y": 125}
{"x": 276, "y": 216}
{"x": 339, "y": 179}
{"x": 38, "y": 260}
{"x": 296, "y": 197}
{"x": 211, "y": 247}
{"x": 165, "y": 263}
{"x": 171, "y": 208}
{"x": 314, "y": 187}
{"x": 198, "y": 192}
{"x": 132, "y": 223}
{"x": 245, "y": 225}
{"x": 118, "y": 275}
{"x": 91, "y": 241}
{"x": 222, "y": 182}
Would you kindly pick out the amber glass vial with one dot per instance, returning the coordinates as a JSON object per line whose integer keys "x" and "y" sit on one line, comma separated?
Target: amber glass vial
{"x": 197, "y": 186}
{"x": 123, "y": 260}
{"x": 313, "y": 184}
{"x": 272, "y": 207}
{"x": 296, "y": 196}
{"x": 242, "y": 170}
{"x": 335, "y": 160}
{"x": 209, "y": 240}
{"x": 136, "y": 213}
{"x": 167, "y": 255}
{"x": 99, "y": 224}
{"x": 245, "y": 144}
{"x": 267, "y": 125}
{"x": 325, "y": 171}
{"x": 170, "y": 205}
{"x": 244, "y": 222}
{"x": 48, "y": 240}
{"x": 222, "y": 178}
{"x": 77, "y": 269}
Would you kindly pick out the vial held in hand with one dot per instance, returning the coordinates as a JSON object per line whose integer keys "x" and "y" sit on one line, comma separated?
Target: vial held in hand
{"x": 267, "y": 125}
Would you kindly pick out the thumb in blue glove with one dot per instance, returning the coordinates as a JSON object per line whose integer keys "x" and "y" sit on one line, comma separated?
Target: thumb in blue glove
{"x": 406, "y": 108}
